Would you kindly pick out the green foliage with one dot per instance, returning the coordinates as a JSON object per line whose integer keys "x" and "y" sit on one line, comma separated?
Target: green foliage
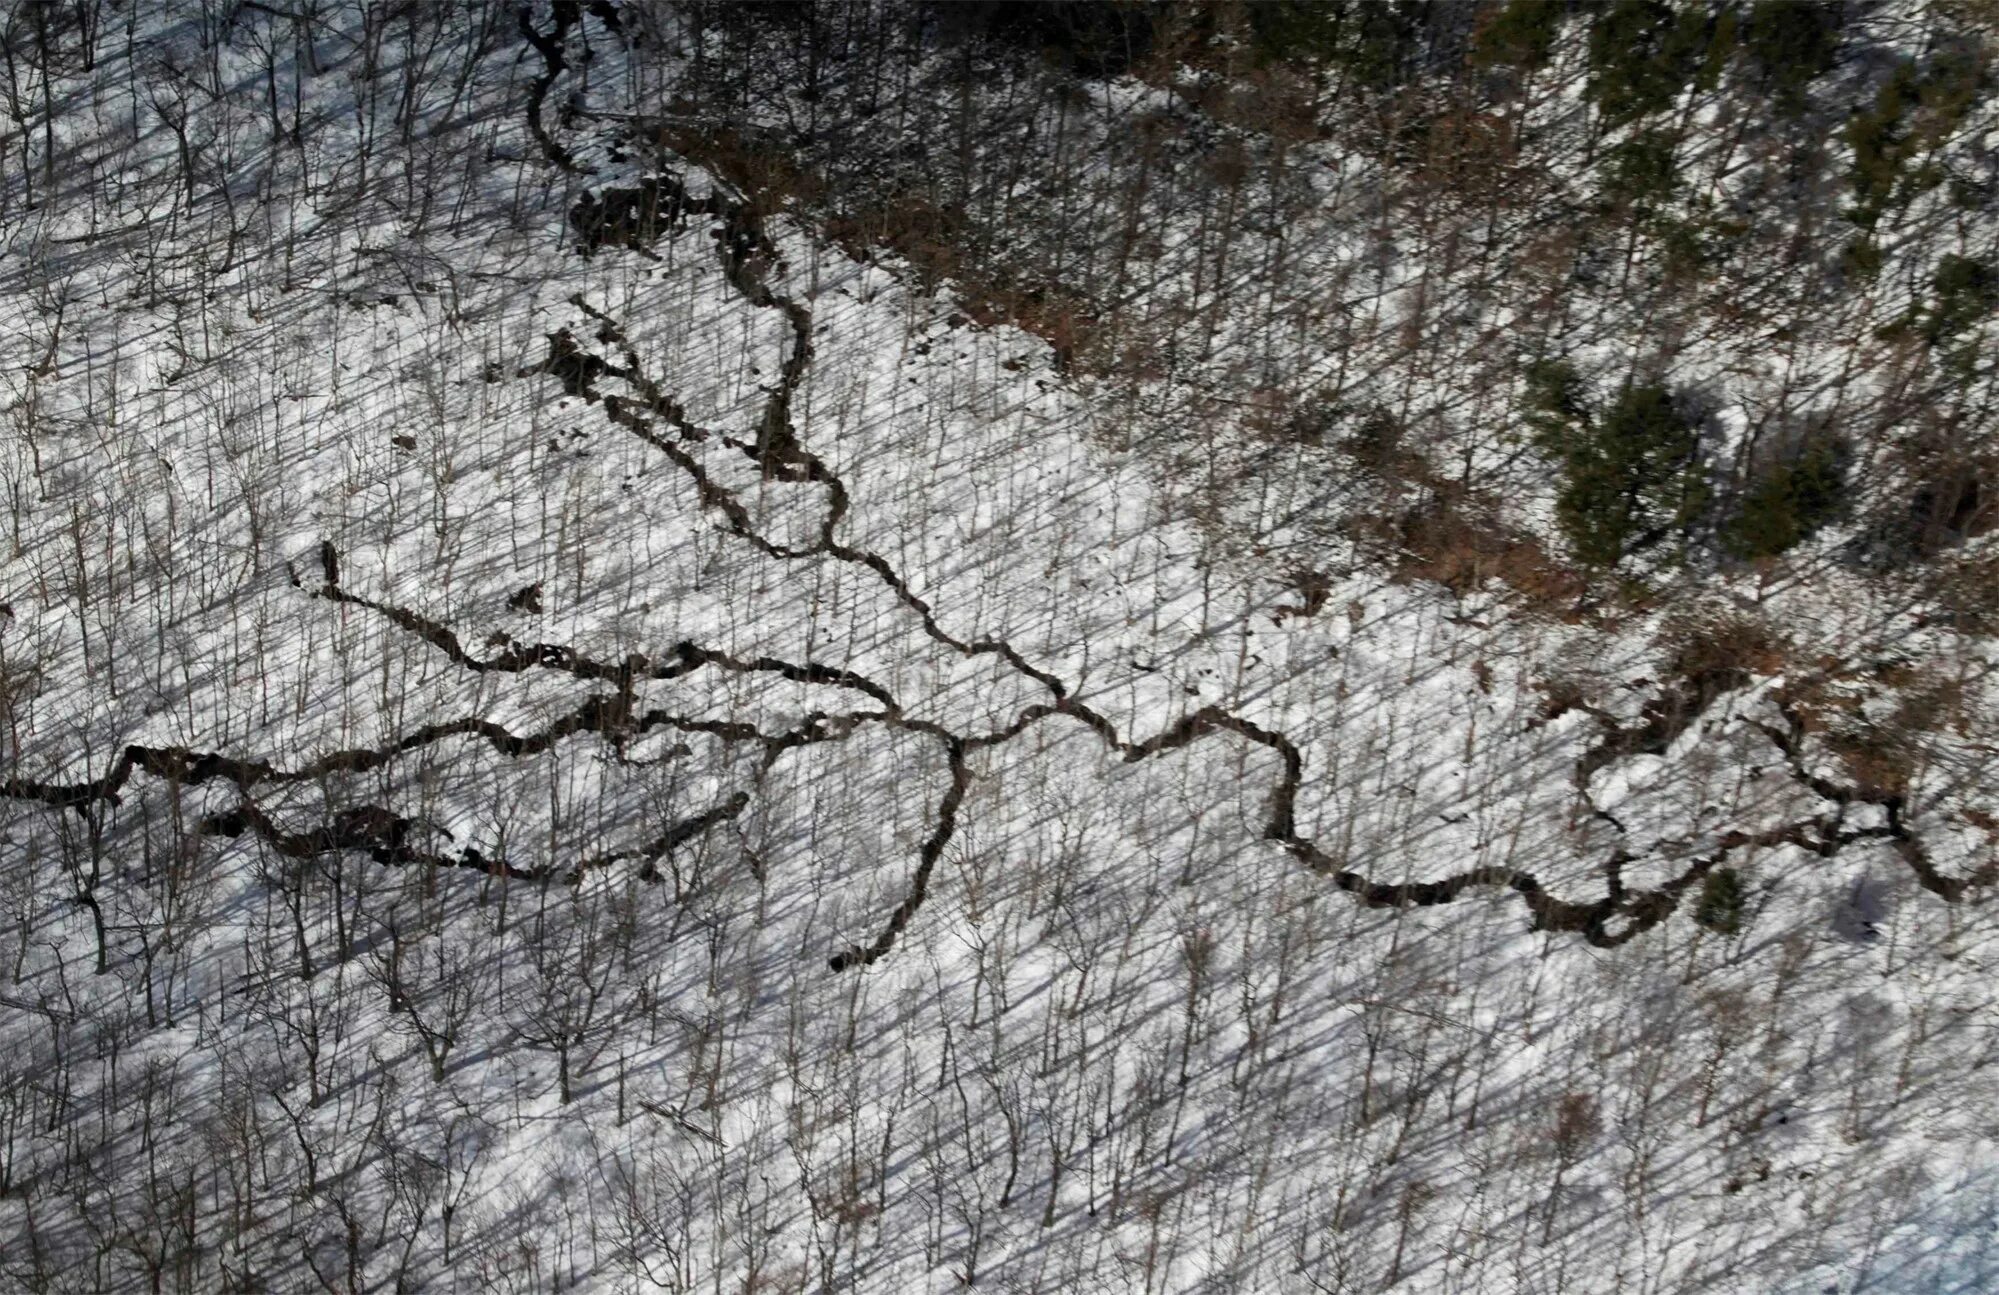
{"x": 1375, "y": 40}
{"x": 1553, "y": 402}
{"x": 1788, "y": 501}
{"x": 1947, "y": 92}
{"x": 1383, "y": 43}
{"x": 1913, "y": 113}
{"x": 1692, "y": 243}
{"x": 1879, "y": 139}
{"x": 1792, "y": 45}
{"x": 1091, "y": 38}
{"x": 1639, "y": 173}
{"x": 1722, "y": 901}
{"x": 1685, "y": 251}
{"x": 1721, "y": 48}
{"x": 1642, "y": 53}
{"x": 1963, "y": 290}
{"x": 1966, "y": 291}
{"x": 1520, "y": 35}
{"x": 1284, "y": 29}
{"x": 1969, "y": 194}
{"x": 1628, "y": 477}
{"x": 1860, "y": 259}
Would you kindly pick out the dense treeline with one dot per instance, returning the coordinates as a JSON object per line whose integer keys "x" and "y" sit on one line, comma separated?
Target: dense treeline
{"x": 1725, "y": 163}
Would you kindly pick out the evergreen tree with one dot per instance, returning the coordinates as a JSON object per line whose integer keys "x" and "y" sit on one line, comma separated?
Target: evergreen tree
{"x": 1628, "y": 477}
{"x": 1642, "y": 53}
{"x": 1788, "y": 501}
{"x": 1520, "y": 34}
{"x": 1792, "y": 45}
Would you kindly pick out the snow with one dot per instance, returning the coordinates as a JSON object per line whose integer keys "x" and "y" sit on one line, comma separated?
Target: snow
{"x": 1139, "y": 1032}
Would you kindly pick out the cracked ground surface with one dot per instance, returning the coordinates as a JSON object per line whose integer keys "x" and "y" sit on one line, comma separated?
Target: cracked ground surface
{"x": 677, "y": 728}
{"x": 660, "y": 205}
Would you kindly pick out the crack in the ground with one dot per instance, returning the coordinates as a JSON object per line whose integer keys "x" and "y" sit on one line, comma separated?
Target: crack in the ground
{"x": 631, "y": 218}
{"x": 1616, "y": 918}
{"x": 555, "y": 62}
{"x": 1893, "y": 803}
{"x": 1664, "y": 719}
{"x": 516, "y": 657}
{"x": 387, "y": 836}
{"x": 919, "y": 884}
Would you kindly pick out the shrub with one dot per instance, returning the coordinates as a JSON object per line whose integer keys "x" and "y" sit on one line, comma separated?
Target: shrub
{"x": 1879, "y": 759}
{"x": 1578, "y": 1122}
{"x": 1952, "y": 503}
{"x": 1721, "y": 902}
{"x": 1878, "y": 136}
{"x": 1967, "y": 592}
{"x": 1467, "y": 154}
{"x": 1683, "y": 251}
{"x": 1723, "y": 40}
{"x": 1553, "y": 400}
{"x": 1713, "y": 652}
{"x": 1449, "y": 544}
{"x": 1969, "y": 194}
{"x": 1693, "y": 242}
{"x": 1860, "y": 259}
{"x": 1946, "y": 92}
{"x": 1788, "y": 501}
{"x": 1377, "y": 441}
{"x": 1966, "y": 291}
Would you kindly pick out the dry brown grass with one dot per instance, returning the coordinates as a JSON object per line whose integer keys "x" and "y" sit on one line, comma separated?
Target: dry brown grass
{"x": 1715, "y": 645}
{"x": 1965, "y": 588}
{"x": 1445, "y": 541}
{"x": 931, "y": 238}
{"x": 1879, "y": 761}
{"x": 1879, "y": 754}
{"x": 767, "y": 174}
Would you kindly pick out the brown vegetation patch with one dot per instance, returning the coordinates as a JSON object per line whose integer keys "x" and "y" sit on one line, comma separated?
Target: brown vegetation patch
{"x": 1730, "y": 646}
{"x": 1444, "y": 540}
{"x": 1967, "y": 593}
{"x": 767, "y": 174}
{"x": 932, "y": 239}
{"x": 1467, "y": 153}
{"x": 1878, "y": 761}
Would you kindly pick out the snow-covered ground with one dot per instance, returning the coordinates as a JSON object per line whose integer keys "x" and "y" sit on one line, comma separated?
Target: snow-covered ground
{"x": 690, "y": 764}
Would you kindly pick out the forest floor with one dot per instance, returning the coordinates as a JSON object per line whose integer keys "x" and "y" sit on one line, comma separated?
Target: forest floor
{"x": 567, "y": 729}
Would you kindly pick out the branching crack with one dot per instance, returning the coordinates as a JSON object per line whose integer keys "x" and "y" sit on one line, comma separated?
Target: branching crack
{"x": 631, "y": 219}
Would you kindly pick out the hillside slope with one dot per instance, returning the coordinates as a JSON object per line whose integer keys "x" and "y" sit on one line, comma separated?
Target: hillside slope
{"x": 868, "y": 648}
